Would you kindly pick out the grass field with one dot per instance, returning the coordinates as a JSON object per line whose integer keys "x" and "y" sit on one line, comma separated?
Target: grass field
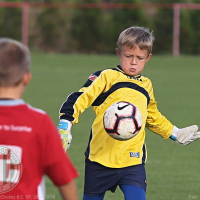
{"x": 172, "y": 170}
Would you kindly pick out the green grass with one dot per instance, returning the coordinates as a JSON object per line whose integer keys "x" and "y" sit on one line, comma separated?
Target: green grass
{"x": 172, "y": 169}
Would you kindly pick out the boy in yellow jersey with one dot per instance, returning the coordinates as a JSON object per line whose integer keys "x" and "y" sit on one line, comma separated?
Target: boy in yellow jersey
{"x": 110, "y": 162}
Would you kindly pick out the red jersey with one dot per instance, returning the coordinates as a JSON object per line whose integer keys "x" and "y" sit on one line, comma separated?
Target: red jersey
{"x": 30, "y": 147}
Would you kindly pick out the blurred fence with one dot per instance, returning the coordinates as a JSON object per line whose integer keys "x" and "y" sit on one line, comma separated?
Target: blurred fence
{"x": 94, "y": 27}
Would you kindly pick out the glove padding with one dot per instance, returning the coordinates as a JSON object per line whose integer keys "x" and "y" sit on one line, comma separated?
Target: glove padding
{"x": 64, "y": 129}
{"x": 186, "y": 135}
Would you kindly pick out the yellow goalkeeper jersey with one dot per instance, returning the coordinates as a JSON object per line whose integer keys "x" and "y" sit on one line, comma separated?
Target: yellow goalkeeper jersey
{"x": 102, "y": 89}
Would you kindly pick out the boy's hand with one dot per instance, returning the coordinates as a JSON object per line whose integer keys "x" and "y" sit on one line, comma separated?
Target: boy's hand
{"x": 186, "y": 135}
{"x": 64, "y": 129}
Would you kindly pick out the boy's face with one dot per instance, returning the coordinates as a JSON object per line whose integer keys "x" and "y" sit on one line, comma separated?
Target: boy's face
{"x": 133, "y": 60}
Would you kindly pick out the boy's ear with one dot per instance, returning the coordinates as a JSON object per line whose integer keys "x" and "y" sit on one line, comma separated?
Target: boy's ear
{"x": 27, "y": 78}
{"x": 149, "y": 56}
{"x": 118, "y": 52}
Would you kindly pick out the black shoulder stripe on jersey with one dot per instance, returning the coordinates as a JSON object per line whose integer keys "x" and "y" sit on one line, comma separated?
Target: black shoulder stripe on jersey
{"x": 101, "y": 98}
{"x": 116, "y": 69}
{"x": 68, "y": 107}
{"x": 89, "y": 82}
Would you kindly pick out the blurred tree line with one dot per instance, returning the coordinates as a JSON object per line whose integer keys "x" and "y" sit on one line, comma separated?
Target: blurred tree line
{"x": 77, "y": 30}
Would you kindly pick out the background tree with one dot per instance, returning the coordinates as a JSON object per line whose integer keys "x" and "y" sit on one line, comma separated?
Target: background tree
{"x": 121, "y": 19}
{"x": 51, "y": 23}
{"x": 10, "y": 22}
{"x": 86, "y": 25}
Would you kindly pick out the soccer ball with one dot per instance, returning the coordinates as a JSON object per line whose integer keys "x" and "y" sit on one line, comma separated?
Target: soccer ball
{"x": 122, "y": 120}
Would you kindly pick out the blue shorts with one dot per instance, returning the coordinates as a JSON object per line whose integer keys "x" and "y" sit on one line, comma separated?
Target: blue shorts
{"x": 99, "y": 179}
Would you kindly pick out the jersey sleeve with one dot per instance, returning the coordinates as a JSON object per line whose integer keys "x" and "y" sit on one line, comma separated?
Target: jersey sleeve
{"x": 156, "y": 122}
{"x": 56, "y": 163}
{"x": 77, "y": 102}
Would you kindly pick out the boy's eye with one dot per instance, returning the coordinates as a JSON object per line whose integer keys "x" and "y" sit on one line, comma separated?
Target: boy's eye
{"x": 128, "y": 56}
{"x": 140, "y": 58}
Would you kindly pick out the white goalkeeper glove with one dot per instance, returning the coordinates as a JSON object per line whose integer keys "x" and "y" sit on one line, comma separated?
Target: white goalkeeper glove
{"x": 64, "y": 129}
{"x": 186, "y": 135}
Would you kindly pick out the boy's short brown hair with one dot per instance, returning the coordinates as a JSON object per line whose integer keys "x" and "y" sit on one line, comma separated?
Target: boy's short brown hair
{"x": 14, "y": 62}
{"x": 136, "y": 36}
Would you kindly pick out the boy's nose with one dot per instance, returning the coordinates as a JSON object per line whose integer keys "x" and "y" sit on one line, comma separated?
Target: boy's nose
{"x": 133, "y": 61}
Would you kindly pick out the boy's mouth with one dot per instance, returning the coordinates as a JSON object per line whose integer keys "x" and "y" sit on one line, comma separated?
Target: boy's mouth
{"x": 132, "y": 69}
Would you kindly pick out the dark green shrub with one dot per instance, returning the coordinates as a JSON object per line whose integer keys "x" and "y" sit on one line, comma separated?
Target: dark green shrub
{"x": 121, "y": 19}
{"x": 195, "y": 21}
{"x": 86, "y": 25}
{"x": 10, "y": 23}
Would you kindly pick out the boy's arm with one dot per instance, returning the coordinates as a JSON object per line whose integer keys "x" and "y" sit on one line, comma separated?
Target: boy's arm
{"x": 157, "y": 123}
{"x": 76, "y": 103}
{"x": 69, "y": 191}
{"x": 160, "y": 125}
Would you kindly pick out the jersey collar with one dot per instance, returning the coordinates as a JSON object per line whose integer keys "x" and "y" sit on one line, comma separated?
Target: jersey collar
{"x": 11, "y": 102}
